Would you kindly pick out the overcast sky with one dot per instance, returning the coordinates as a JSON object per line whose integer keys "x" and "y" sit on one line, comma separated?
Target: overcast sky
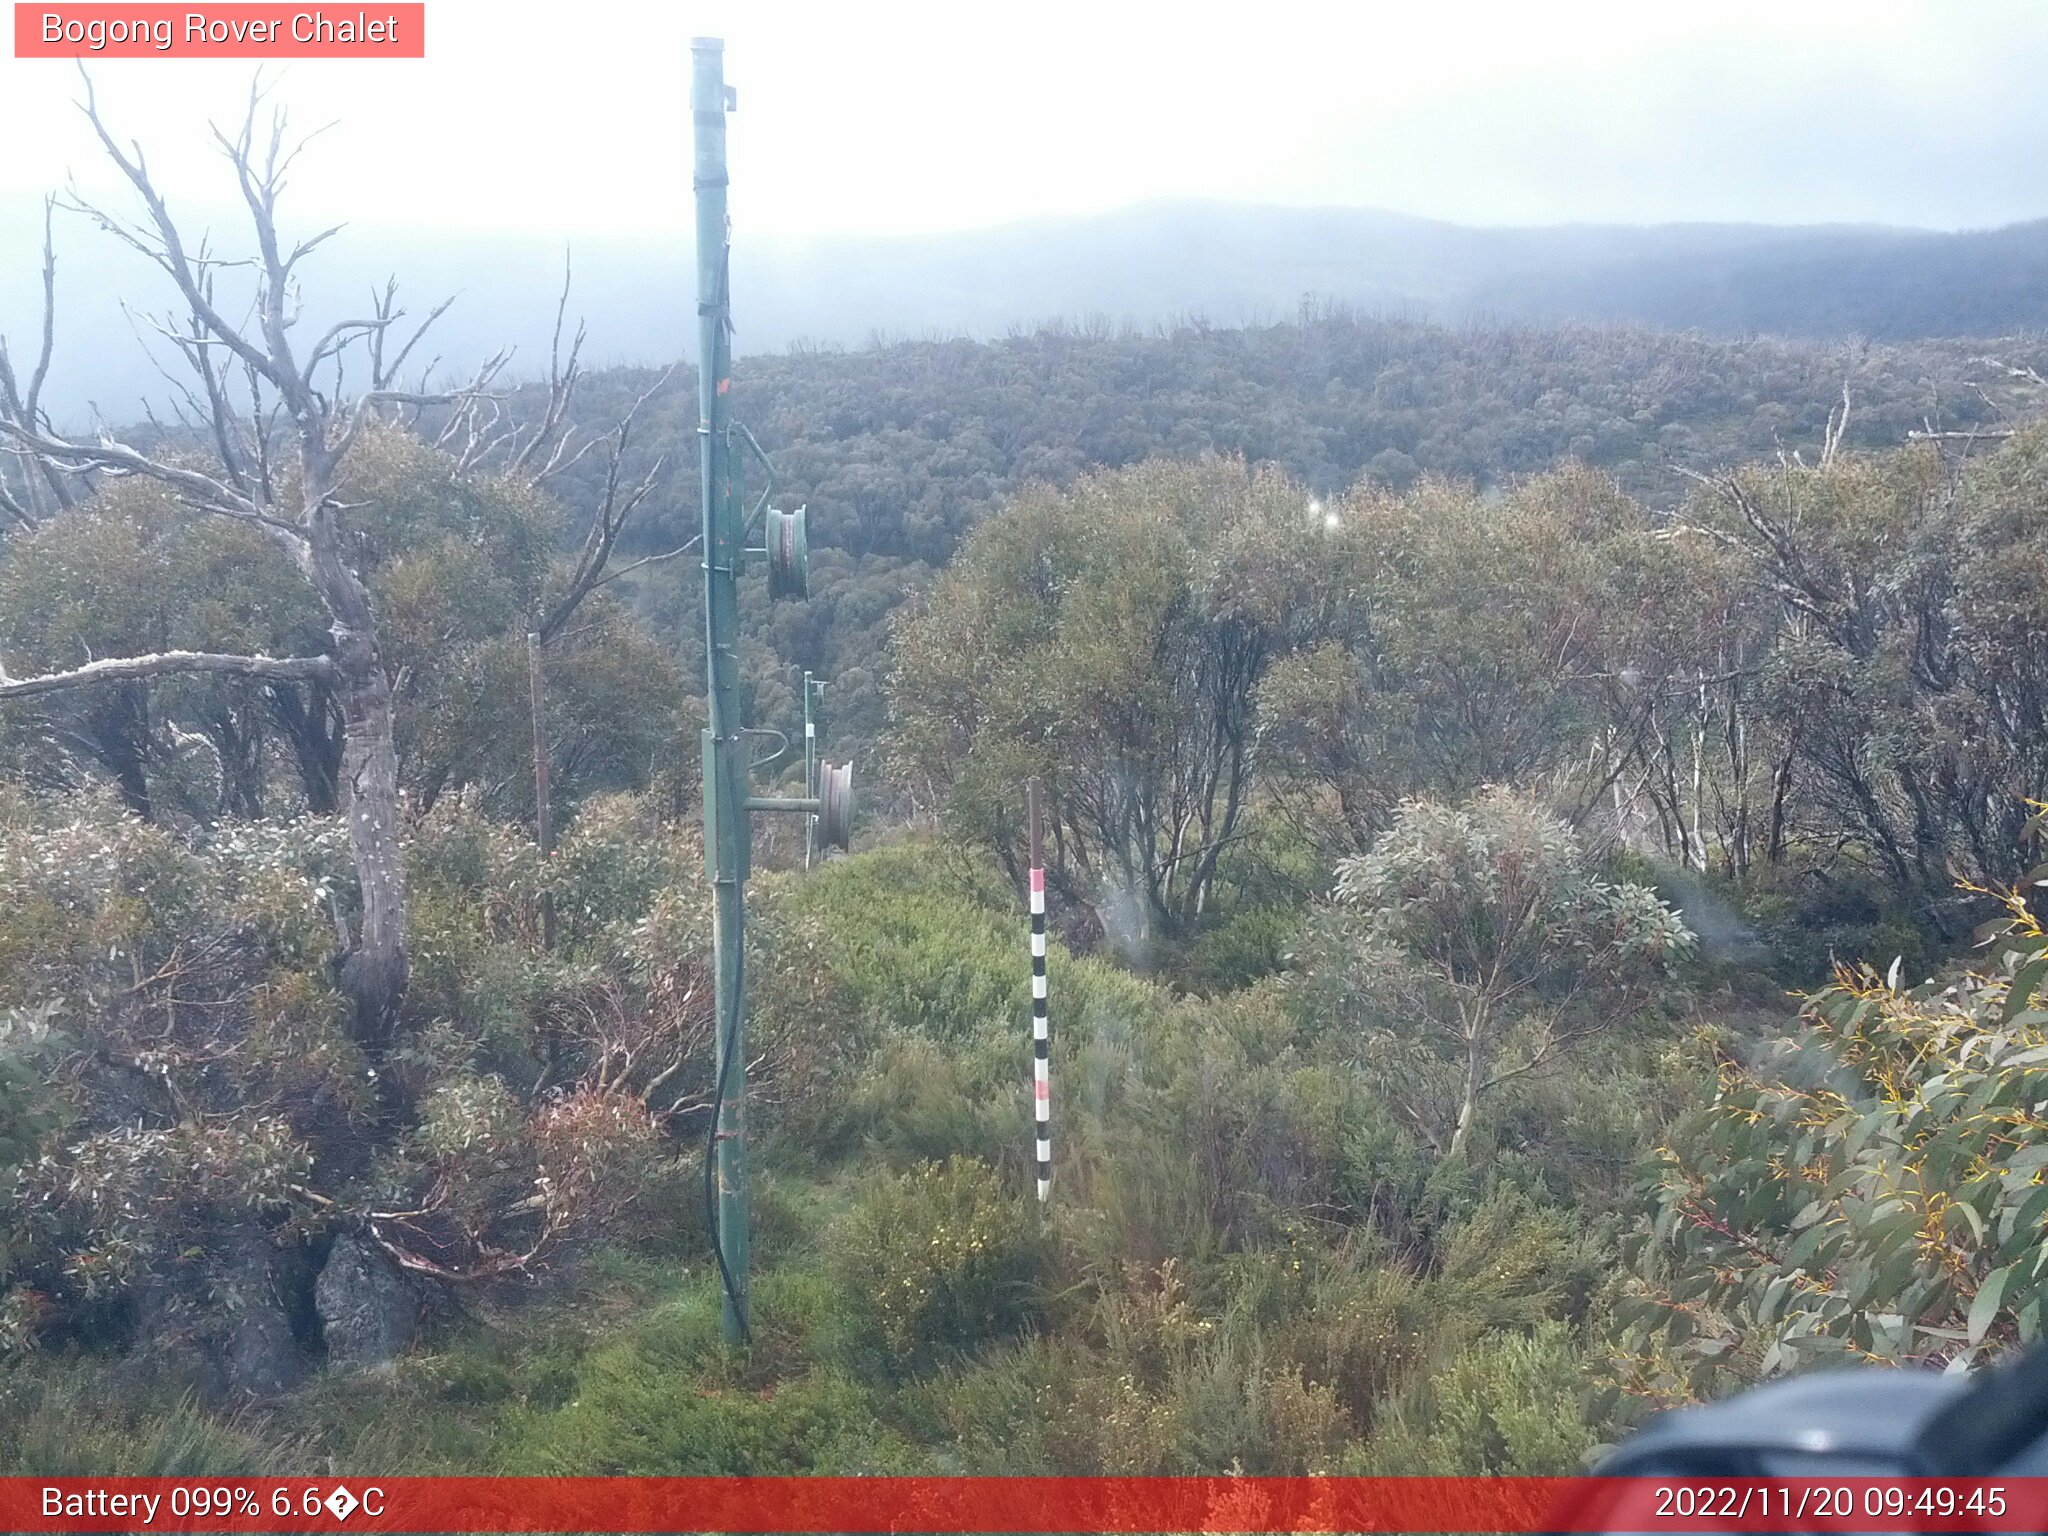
{"x": 572, "y": 118}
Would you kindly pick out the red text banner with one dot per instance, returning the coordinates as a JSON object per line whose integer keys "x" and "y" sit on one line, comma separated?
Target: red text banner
{"x": 225, "y": 31}
{"x": 857, "y": 1505}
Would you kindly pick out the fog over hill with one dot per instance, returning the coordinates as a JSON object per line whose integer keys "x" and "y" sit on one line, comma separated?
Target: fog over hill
{"x": 1227, "y": 263}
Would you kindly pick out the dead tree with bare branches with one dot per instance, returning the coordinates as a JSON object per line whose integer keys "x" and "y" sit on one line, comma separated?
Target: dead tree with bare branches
{"x": 483, "y": 440}
{"x": 280, "y": 420}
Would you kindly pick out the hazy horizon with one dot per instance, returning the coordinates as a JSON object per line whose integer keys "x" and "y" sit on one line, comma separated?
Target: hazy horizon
{"x": 920, "y": 118}
{"x": 909, "y": 147}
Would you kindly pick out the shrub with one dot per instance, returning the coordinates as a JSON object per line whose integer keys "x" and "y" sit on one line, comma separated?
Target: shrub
{"x": 1241, "y": 948}
{"x": 1868, "y": 1189}
{"x": 668, "y": 1399}
{"x": 1471, "y": 947}
{"x": 1507, "y": 1405}
{"x": 95, "y": 900}
{"x": 1840, "y": 915}
{"x": 914, "y": 1101}
{"x": 1244, "y": 1413}
{"x": 911, "y": 954}
{"x": 29, "y": 1105}
{"x": 1363, "y": 1329}
{"x": 609, "y": 868}
{"x": 80, "y": 1418}
{"x": 1511, "y": 1264}
{"x": 940, "y": 1258}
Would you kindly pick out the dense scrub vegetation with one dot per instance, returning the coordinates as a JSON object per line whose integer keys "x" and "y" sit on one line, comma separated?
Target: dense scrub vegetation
{"x": 901, "y": 450}
{"x": 1432, "y": 843}
{"x": 1250, "y": 1261}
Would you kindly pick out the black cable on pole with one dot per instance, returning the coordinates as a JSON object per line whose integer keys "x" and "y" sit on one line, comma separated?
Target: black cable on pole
{"x": 728, "y": 1037}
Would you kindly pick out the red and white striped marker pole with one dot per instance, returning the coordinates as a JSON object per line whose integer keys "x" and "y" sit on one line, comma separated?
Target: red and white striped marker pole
{"x": 1041, "y": 1027}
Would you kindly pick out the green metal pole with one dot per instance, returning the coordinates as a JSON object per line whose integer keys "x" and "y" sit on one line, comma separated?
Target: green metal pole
{"x": 726, "y": 823}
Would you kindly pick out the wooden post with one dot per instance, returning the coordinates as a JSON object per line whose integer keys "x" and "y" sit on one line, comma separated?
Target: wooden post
{"x": 543, "y": 804}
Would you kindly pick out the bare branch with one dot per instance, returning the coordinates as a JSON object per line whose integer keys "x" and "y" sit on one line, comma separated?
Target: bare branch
{"x": 1962, "y": 435}
{"x": 339, "y": 335}
{"x": 380, "y": 376}
{"x": 26, "y": 406}
{"x": 1837, "y": 429}
{"x": 668, "y": 554}
{"x": 562, "y": 381}
{"x": 2016, "y": 371}
{"x": 168, "y": 663}
{"x": 369, "y": 401}
{"x": 14, "y": 508}
{"x": 169, "y": 253}
{"x": 614, "y": 511}
{"x": 31, "y": 402}
{"x": 202, "y": 490}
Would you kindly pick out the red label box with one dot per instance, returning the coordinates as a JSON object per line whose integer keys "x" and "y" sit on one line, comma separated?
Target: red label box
{"x": 376, "y": 30}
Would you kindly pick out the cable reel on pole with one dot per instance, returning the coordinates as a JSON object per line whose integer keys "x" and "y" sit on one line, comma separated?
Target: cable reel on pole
{"x": 789, "y": 563}
{"x": 827, "y": 800}
{"x": 785, "y": 546}
{"x": 835, "y": 805}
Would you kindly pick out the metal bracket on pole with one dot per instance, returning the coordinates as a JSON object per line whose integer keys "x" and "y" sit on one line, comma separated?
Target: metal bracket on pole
{"x": 767, "y": 469}
{"x": 813, "y": 692}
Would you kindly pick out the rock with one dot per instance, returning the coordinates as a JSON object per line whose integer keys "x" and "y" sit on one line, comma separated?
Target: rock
{"x": 252, "y": 1343}
{"x": 368, "y": 1309}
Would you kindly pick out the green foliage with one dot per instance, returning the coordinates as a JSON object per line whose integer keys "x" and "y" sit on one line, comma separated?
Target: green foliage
{"x": 458, "y": 565}
{"x": 1512, "y": 1264}
{"x": 476, "y": 886}
{"x": 896, "y": 993}
{"x": 1474, "y": 947}
{"x": 136, "y": 571}
{"x": 1241, "y": 686}
{"x": 940, "y": 1258}
{"x": 1869, "y": 1189}
{"x": 910, "y": 948}
{"x": 29, "y": 1106}
{"x": 1164, "y": 1389}
{"x": 1813, "y": 921}
{"x": 914, "y": 1100}
{"x": 1248, "y": 1263}
{"x": 219, "y": 1105}
{"x": 1507, "y": 1405}
{"x": 1226, "y": 1128}
{"x": 616, "y": 860}
{"x": 904, "y": 446}
{"x": 639, "y": 1424}
{"x": 1426, "y": 687}
{"x": 1111, "y": 640}
{"x": 95, "y": 898}
{"x": 1887, "y": 597}
{"x": 82, "y": 1418}
{"x": 1501, "y": 887}
{"x": 636, "y": 1423}
{"x": 1244, "y": 946}
{"x": 667, "y": 1399}
{"x": 137, "y": 1194}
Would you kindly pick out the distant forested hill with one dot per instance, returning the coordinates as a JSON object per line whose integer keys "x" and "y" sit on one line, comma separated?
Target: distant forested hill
{"x": 1880, "y": 283}
{"x": 899, "y": 450}
{"x": 1226, "y": 264}
{"x": 1233, "y": 263}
